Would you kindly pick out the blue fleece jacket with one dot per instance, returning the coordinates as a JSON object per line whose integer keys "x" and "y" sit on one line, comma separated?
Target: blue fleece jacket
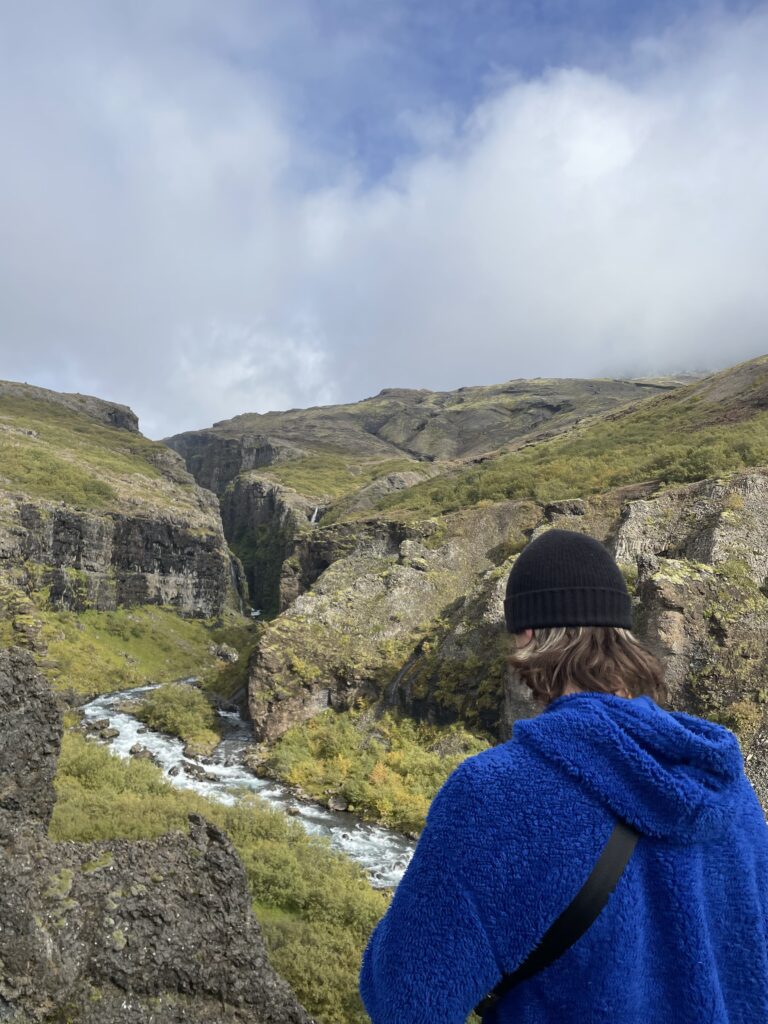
{"x": 514, "y": 832}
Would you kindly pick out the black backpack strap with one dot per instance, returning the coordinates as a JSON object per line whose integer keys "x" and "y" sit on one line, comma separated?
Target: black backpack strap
{"x": 577, "y": 916}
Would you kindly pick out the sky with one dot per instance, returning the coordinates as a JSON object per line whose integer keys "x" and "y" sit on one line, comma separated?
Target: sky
{"x": 215, "y": 208}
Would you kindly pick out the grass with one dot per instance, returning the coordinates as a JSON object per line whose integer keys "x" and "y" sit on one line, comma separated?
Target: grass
{"x": 671, "y": 438}
{"x": 96, "y": 652}
{"x": 327, "y": 476}
{"x": 91, "y": 652}
{"x": 182, "y": 711}
{"x": 388, "y": 770}
{"x": 315, "y": 906}
{"x": 49, "y": 451}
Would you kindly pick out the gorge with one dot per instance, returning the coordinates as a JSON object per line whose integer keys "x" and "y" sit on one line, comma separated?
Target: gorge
{"x": 374, "y": 541}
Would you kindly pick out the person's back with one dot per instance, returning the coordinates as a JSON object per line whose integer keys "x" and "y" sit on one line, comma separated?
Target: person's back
{"x": 683, "y": 936}
{"x": 515, "y": 831}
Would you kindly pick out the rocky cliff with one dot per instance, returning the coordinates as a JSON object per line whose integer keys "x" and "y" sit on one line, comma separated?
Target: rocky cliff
{"x": 695, "y": 559}
{"x": 261, "y": 520}
{"x": 277, "y": 473}
{"x": 116, "y": 931}
{"x": 412, "y": 616}
{"x": 386, "y": 586}
{"x": 93, "y": 515}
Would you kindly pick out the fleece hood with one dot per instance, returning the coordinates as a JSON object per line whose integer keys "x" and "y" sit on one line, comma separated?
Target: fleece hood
{"x": 667, "y": 773}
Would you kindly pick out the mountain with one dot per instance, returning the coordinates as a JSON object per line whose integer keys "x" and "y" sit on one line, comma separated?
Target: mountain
{"x": 274, "y": 472}
{"x": 400, "y": 424}
{"x": 385, "y": 590}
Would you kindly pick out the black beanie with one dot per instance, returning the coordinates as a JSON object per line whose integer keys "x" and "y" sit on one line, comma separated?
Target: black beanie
{"x": 564, "y": 578}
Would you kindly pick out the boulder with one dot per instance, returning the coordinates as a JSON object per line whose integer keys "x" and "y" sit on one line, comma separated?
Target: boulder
{"x": 117, "y": 932}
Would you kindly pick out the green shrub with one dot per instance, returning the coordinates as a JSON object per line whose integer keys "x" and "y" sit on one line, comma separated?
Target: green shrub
{"x": 96, "y": 652}
{"x": 316, "y": 906}
{"x": 388, "y": 770}
{"x": 183, "y": 711}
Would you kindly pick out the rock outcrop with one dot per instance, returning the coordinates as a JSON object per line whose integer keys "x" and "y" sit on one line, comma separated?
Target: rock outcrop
{"x": 701, "y": 552}
{"x": 459, "y": 672}
{"x": 104, "y": 559}
{"x": 108, "y": 932}
{"x": 710, "y": 521}
{"x": 364, "y": 617}
{"x": 215, "y": 460}
{"x": 93, "y": 515}
{"x": 112, "y": 414}
{"x": 366, "y": 497}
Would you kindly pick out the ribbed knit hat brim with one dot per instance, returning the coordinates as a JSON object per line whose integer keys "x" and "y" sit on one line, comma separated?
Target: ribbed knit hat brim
{"x": 573, "y": 606}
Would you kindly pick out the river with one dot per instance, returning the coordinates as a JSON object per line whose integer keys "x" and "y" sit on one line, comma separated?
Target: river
{"x": 384, "y": 854}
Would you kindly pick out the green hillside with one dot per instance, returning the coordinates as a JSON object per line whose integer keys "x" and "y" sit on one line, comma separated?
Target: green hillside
{"x": 700, "y": 430}
{"x": 50, "y": 451}
{"x": 327, "y": 452}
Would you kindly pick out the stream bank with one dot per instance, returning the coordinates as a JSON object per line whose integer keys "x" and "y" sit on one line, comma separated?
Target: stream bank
{"x": 382, "y": 853}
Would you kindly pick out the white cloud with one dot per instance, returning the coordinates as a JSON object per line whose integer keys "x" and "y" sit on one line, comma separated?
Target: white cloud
{"x": 254, "y": 369}
{"x": 163, "y": 245}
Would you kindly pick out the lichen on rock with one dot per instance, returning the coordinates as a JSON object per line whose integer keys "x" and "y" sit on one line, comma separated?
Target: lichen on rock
{"x": 117, "y": 931}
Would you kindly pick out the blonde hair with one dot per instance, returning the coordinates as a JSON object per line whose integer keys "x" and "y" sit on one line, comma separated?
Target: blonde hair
{"x": 598, "y": 658}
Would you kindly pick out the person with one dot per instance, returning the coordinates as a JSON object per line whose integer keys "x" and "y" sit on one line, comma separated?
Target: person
{"x": 513, "y": 833}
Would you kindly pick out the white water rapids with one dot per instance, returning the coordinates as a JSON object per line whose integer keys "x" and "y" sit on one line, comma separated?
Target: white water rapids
{"x": 383, "y": 854}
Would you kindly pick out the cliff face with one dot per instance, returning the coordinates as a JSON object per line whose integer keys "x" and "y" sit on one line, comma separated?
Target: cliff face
{"x": 216, "y": 460}
{"x": 95, "y": 516}
{"x": 100, "y": 561}
{"x": 274, "y": 471}
{"x": 116, "y": 931}
{"x": 393, "y": 621}
{"x": 387, "y": 585}
{"x": 261, "y": 520}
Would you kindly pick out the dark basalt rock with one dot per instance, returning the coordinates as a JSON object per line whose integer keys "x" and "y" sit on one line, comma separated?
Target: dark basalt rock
{"x": 29, "y": 745}
{"x": 104, "y": 560}
{"x": 131, "y": 932}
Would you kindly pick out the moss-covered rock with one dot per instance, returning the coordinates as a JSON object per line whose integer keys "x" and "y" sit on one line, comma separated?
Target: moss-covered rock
{"x": 106, "y": 932}
{"x": 710, "y": 623}
{"x": 100, "y": 516}
{"x": 366, "y": 614}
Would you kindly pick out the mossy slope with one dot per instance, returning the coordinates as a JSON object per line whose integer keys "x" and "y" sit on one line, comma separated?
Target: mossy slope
{"x": 703, "y": 429}
{"x": 315, "y": 906}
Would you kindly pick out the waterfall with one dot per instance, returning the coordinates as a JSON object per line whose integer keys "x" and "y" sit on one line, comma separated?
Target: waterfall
{"x": 236, "y": 584}
{"x": 314, "y": 514}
